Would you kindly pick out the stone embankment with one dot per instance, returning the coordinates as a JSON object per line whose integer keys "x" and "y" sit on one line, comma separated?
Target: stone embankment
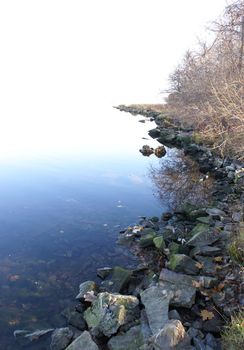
{"x": 187, "y": 285}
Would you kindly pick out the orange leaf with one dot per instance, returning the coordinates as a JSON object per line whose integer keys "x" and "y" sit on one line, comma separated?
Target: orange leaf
{"x": 218, "y": 288}
{"x": 206, "y": 315}
{"x": 199, "y": 265}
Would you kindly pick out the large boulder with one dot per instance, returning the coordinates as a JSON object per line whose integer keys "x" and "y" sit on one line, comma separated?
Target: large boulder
{"x": 130, "y": 340}
{"x": 110, "y": 311}
{"x": 84, "y": 341}
{"x": 156, "y": 302}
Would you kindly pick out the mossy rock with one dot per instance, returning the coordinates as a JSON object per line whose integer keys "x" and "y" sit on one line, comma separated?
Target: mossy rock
{"x": 159, "y": 242}
{"x": 174, "y": 248}
{"x": 199, "y": 228}
{"x": 147, "y": 239}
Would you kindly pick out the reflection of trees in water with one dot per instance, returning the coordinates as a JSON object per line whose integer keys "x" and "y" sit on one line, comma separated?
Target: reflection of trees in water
{"x": 178, "y": 181}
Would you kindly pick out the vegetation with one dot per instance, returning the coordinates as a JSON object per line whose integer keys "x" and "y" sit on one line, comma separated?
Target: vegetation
{"x": 207, "y": 89}
{"x": 233, "y": 335}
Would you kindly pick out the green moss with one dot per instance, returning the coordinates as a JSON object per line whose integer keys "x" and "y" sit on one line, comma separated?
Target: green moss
{"x": 174, "y": 248}
{"x": 233, "y": 335}
{"x": 159, "y": 242}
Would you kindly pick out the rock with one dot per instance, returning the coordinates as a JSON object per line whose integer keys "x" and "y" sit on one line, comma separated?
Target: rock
{"x": 203, "y": 235}
{"x": 204, "y": 220}
{"x": 237, "y": 216}
{"x": 85, "y": 287}
{"x": 166, "y": 216}
{"x": 180, "y": 285}
{"x": 61, "y": 338}
{"x": 84, "y": 341}
{"x": 215, "y": 212}
{"x": 174, "y": 248}
{"x": 104, "y": 272}
{"x": 194, "y": 214}
{"x": 174, "y": 315}
{"x": 199, "y": 344}
{"x": 156, "y": 302}
{"x": 160, "y": 151}
{"x": 147, "y": 239}
{"x": 171, "y": 336}
{"x": 76, "y": 320}
{"x": 25, "y": 337}
{"x": 211, "y": 341}
{"x": 205, "y": 251}
{"x": 131, "y": 340}
{"x": 154, "y": 219}
{"x": 183, "y": 263}
{"x": 159, "y": 242}
{"x": 146, "y": 150}
{"x": 110, "y": 311}
{"x": 208, "y": 265}
{"x": 167, "y": 137}
{"x": 154, "y": 133}
{"x": 119, "y": 279}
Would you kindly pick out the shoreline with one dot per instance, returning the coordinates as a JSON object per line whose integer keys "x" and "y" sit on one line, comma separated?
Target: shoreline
{"x": 187, "y": 286}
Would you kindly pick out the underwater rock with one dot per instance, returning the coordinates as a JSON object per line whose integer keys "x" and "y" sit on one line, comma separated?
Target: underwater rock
{"x": 61, "y": 338}
{"x": 118, "y": 281}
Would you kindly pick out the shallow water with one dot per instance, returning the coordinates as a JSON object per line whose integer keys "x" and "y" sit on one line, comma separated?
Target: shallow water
{"x": 59, "y": 220}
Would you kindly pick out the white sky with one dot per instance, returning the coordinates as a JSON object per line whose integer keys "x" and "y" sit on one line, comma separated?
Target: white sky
{"x": 62, "y": 62}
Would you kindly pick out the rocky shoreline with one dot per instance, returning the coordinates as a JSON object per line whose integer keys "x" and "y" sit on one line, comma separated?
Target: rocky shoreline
{"x": 188, "y": 284}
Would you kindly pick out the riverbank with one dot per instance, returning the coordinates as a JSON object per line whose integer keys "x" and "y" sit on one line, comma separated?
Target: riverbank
{"x": 189, "y": 281}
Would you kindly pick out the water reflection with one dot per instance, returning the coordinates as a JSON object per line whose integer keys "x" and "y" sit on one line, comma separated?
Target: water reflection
{"x": 178, "y": 180}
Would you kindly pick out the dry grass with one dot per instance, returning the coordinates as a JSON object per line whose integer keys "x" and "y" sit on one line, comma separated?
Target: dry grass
{"x": 233, "y": 335}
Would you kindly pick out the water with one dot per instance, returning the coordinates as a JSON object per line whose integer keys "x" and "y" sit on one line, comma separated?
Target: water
{"x": 60, "y": 216}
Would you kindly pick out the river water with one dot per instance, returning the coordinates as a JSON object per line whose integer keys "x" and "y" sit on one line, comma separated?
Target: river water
{"x": 60, "y": 215}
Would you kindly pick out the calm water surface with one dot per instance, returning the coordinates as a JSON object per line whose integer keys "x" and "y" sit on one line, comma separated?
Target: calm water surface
{"x": 59, "y": 220}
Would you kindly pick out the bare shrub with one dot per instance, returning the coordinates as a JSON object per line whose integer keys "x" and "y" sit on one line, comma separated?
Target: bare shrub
{"x": 207, "y": 89}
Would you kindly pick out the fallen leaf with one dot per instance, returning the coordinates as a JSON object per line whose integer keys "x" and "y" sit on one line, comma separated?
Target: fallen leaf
{"x": 218, "y": 259}
{"x": 197, "y": 284}
{"x": 199, "y": 265}
{"x": 206, "y": 315}
{"x": 218, "y": 288}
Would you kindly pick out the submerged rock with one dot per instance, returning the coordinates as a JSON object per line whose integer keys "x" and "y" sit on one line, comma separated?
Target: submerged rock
{"x": 131, "y": 340}
{"x": 25, "y": 337}
{"x": 84, "y": 341}
{"x": 110, "y": 311}
{"x": 118, "y": 281}
{"x": 156, "y": 302}
{"x": 86, "y": 287}
{"x": 61, "y": 338}
{"x": 104, "y": 272}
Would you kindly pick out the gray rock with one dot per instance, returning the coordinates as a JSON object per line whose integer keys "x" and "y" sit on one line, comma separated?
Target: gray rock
{"x": 131, "y": 340}
{"x": 156, "y": 302}
{"x": 172, "y": 336}
{"x": 215, "y": 212}
{"x": 208, "y": 265}
{"x": 211, "y": 341}
{"x": 183, "y": 263}
{"x": 237, "y": 216}
{"x": 205, "y": 251}
{"x": 84, "y": 341}
{"x": 199, "y": 344}
{"x": 174, "y": 315}
{"x": 203, "y": 236}
{"x": 181, "y": 286}
{"x": 147, "y": 239}
{"x": 85, "y": 287}
{"x": 110, "y": 311}
{"x": 61, "y": 338}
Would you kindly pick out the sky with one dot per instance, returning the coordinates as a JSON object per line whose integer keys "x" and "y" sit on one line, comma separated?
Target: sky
{"x": 63, "y": 64}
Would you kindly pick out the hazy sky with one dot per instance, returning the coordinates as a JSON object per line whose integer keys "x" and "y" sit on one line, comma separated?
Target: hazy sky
{"x": 62, "y": 60}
